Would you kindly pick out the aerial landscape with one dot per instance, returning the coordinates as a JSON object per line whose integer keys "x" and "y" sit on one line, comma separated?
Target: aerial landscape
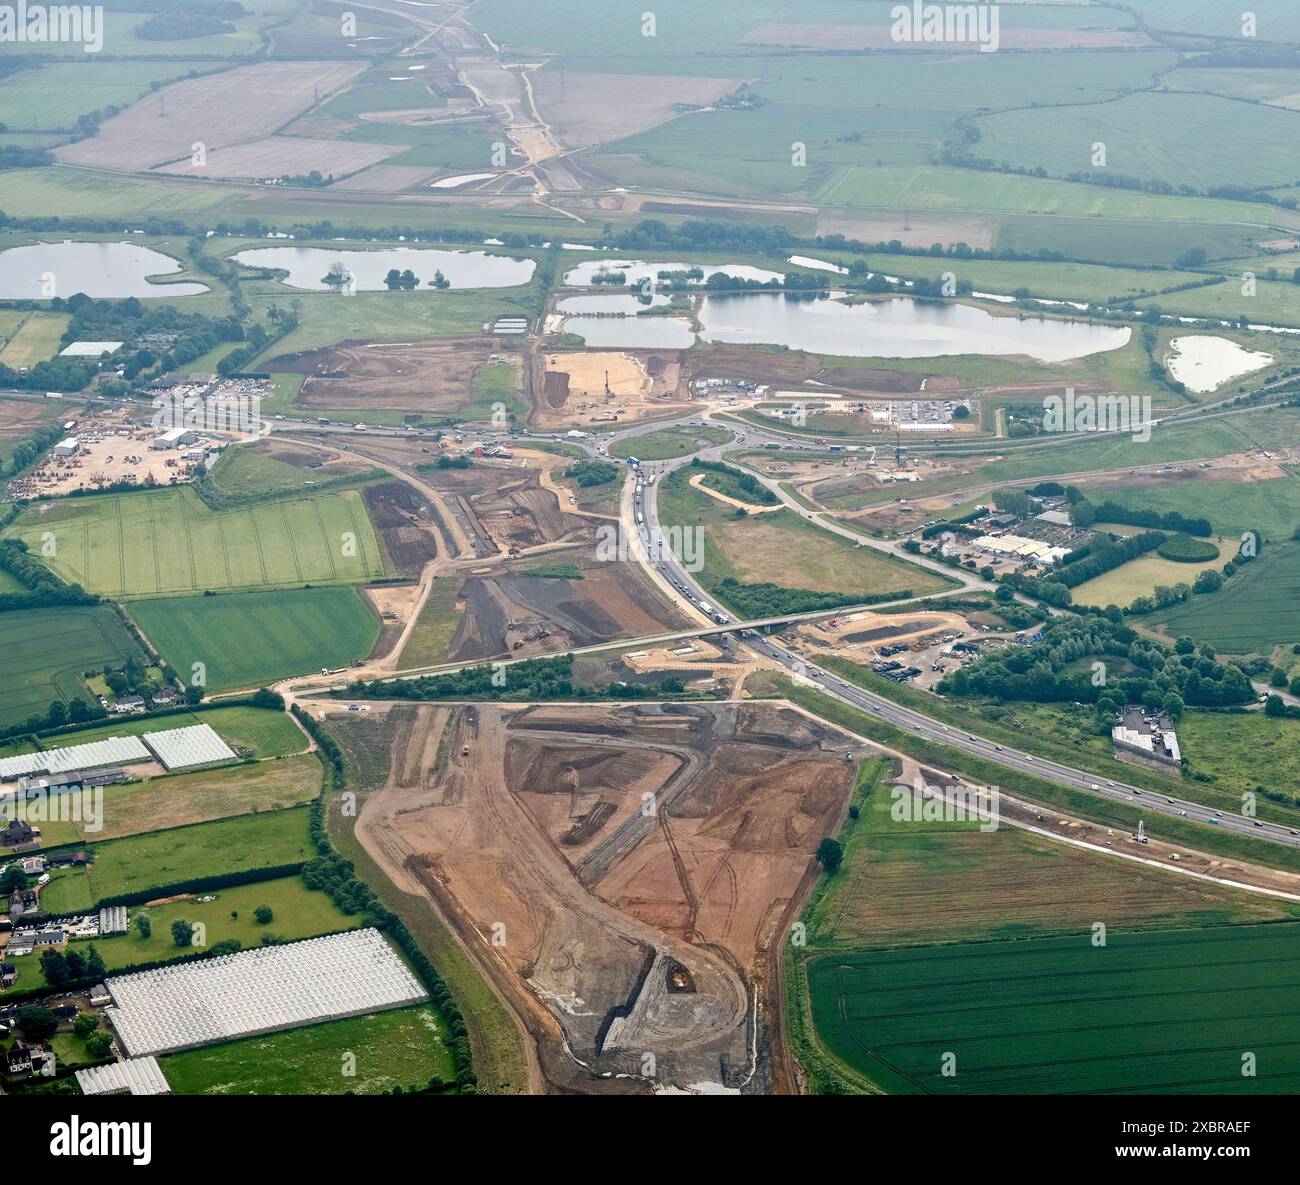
{"x": 592, "y": 548}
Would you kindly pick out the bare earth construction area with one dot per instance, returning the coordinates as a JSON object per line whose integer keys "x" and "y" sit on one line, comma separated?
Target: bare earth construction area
{"x": 623, "y": 872}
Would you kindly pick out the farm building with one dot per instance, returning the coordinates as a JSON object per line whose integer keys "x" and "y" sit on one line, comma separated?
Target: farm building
{"x": 185, "y": 748}
{"x": 186, "y": 1005}
{"x": 138, "y": 1076}
{"x": 90, "y": 349}
{"x": 69, "y": 446}
{"x": 96, "y": 754}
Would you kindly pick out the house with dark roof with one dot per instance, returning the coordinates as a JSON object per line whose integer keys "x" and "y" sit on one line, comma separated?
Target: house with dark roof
{"x": 20, "y": 835}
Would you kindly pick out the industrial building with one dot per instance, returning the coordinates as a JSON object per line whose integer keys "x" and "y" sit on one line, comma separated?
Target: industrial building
{"x": 173, "y": 438}
{"x": 186, "y": 1005}
{"x": 69, "y": 446}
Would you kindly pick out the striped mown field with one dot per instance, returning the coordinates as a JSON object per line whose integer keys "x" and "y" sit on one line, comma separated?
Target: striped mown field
{"x": 1165, "y": 1012}
{"x": 168, "y": 541}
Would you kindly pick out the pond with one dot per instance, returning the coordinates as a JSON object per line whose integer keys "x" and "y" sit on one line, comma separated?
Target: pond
{"x": 899, "y": 327}
{"x": 115, "y": 270}
{"x": 638, "y": 271}
{"x": 307, "y": 266}
{"x": 633, "y": 333}
{"x": 610, "y": 305}
{"x": 1203, "y": 362}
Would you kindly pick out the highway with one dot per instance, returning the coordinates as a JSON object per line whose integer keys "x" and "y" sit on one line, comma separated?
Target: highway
{"x": 921, "y": 725}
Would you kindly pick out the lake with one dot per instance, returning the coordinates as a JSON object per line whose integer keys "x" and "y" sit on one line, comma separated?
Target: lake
{"x": 609, "y": 304}
{"x": 307, "y": 266}
{"x": 638, "y": 271}
{"x": 1202, "y": 363}
{"x": 116, "y": 270}
{"x": 899, "y": 327}
{"x": 633, "y": 333}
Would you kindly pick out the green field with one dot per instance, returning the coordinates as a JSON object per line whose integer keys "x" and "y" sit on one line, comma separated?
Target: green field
{"x": 180, "y": 854}
{"x": 46, "y": 651}
{"x": 297, "y": 912}
{"x": 668, "y": 444}
{"x": 53, "y": 96}
{"x": 1195, "y": 139}
{"x": 783, "y": 548}
{"x": 936, "y": 188}
{"x": 168, "y": 541}
{"x": 262, "y": 732}
{"x": 1257, "y": 609}
{"x": 430, "y": 640}
{"x": 1167, "y": 1012}
{"x": 252, "y": 639}
{"x": 1271, "y": 507}
{"x": 404, "y": 1047}
{"x": 35, "y": 340}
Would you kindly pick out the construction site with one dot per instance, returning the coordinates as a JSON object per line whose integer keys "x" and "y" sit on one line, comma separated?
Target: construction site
{"x": 104, "y": 451}
{"x": 585, "y": 387}
{"x": 625, "y": 875}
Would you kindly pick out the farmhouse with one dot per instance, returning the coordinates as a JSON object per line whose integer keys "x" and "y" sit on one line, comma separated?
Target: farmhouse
{"x": 20, "y": 835}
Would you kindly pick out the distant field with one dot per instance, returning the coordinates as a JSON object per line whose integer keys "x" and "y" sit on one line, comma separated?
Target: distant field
{"x": 1257, "y": 609}
{"x": 1194, "y": 139}
{"x": 405, "y": 1048}
{"x": 181, "y": 854}
{"x": 37, "y": 339}
{"x": 935, "y": 188}
{"x": 327, "y": 318}
{"x": 53, "y": 96}
{"x": 1264, "y": 750}
{"x": 1153, "y": 1013}
{"x": 47, "y": 650}
{"x": 1270, "y": 507}
{"x": 1138, "y": 578}
{"x": 163, "y": 541}
{"x": 252, "y": 639}
{"x": 783, "y": 549}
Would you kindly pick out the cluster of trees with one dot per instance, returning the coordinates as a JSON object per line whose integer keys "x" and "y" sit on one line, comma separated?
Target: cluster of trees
{"x": 62, "y": 969}
{"x": 173, "y": 20}
{"x": 772, "y": 600}
{"x": 30, "y": 449}
{"x": 1085, "y": 513}
{"x": 1055, "y": 670}
{"x": 401, "y": 280}
{"x": 45, "y": 588}
{"x": 735, "y": 483}
{"x": 651, "y": 234}
{"x": 38, "y": 1024}
{"x": 539, "y": 678}
{"x": 13, "y": 156}
{"x": 592, "y": 473}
